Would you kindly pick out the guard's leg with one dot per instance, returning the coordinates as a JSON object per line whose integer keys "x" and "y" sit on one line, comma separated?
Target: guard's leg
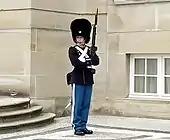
{"x": 86, "y": 105}
{"x": 77, "y": 98}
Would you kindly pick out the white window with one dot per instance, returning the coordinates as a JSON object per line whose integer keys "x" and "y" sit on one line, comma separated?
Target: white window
{"x": 150, "y": 76}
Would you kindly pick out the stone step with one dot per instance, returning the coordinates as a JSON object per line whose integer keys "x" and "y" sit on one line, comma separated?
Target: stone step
{"x": 43, "y": 118}
{"x": 20, "y": 114}
{"x": 10, "y": 103}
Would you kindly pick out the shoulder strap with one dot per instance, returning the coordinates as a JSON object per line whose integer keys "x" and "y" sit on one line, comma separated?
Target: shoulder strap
{"x": 83, "y": 52}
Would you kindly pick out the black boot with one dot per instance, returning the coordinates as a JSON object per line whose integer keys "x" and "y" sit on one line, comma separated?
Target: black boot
{"x": 86, "y": 131}
{"x": 79, "y": 132}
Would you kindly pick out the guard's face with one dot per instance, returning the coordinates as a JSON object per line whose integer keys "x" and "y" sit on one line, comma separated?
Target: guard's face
{"x": 80, "y": 40}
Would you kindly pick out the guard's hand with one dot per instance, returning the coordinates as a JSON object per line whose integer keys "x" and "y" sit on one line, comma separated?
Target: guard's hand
{"x": 88, "y": 62}
{"x": 93, "y": 49}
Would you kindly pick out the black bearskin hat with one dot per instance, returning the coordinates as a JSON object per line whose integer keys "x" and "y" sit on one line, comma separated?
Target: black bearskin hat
{"x": 81, "y": 27}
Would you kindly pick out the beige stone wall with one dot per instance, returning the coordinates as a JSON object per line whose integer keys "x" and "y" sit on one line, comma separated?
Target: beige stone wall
{"x": 131, "y": 30}
{"x": 51, "y": 38}
{"x": 15, "y": 37}
{"x": 123, "y": 28}
{"x": 35, "y": 37}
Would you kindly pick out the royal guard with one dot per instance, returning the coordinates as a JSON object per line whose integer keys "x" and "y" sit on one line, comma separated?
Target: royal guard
{"x": 82, "y": 58}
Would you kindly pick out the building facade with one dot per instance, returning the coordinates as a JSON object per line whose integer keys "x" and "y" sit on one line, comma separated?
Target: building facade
{"x": 133, "y": 45}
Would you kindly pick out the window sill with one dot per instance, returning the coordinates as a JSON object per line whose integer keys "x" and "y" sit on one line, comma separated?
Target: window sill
{"x": 149, "y": 97}
{"x": 132, "y": 2}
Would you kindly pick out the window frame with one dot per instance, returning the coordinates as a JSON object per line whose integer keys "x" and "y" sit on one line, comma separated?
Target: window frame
{"x": 163, "y": 75}
{"x": 160, "y": 76}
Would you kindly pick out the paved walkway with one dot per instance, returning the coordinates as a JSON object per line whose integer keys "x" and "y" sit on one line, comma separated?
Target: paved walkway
{"x": 104, "y": 127}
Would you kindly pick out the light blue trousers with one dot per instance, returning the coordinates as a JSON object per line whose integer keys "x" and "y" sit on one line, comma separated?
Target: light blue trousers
{"x": 81, "y": 98}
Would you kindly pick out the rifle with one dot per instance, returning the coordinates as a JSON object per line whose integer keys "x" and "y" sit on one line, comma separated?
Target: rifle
{"x": 93, "y": 48}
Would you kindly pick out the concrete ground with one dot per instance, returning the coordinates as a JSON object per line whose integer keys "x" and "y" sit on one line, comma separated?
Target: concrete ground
{"x": 104, "y": 127}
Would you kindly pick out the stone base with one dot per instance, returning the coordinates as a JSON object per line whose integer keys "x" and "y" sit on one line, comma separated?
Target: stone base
{"x": 133, "y": 108}
{"x": 56, "y": 105}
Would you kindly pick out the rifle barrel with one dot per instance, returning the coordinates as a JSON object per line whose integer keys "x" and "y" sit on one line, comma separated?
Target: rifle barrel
{"x": 94, "y": 29}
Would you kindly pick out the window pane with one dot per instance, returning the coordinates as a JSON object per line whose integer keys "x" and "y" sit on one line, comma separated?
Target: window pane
{"x": 139, "y": 84}
{"x": 139, "y": 66}
{"x": 152, "y": 66}
{"x": 167, "y": 85}
{"x": 167, "y": 66}
{"x": 151, "y": 85}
